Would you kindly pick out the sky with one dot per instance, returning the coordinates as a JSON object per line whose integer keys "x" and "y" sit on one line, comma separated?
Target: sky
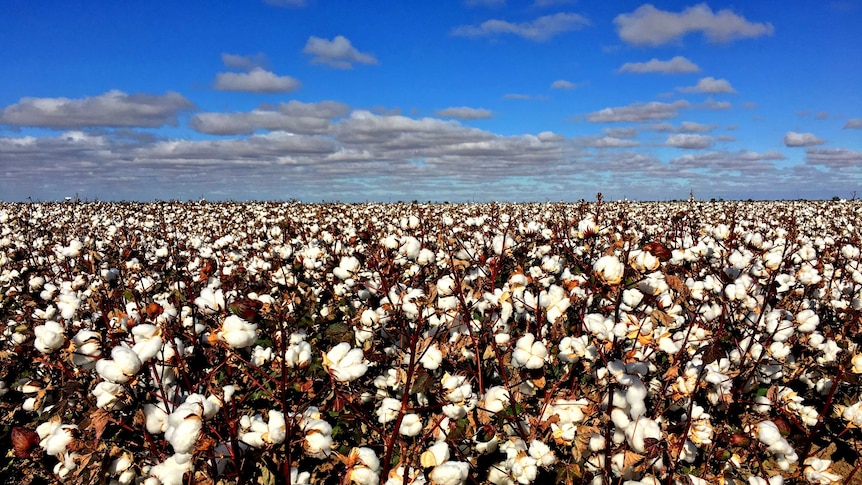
{"x": 449, "y": 100}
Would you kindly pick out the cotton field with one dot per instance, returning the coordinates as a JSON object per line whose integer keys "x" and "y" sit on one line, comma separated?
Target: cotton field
{"x": 607, "y": 343}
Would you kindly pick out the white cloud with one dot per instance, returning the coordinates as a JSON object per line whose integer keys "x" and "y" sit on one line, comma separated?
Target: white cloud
{"x": 607, "y": 142}
{"x": 709, "y": 85}
{"x": 621, "y": 132}
{"x": 524, "y": 97}
{"x": 245, "y": 63}
{"x": 337, "y": 53}
{"x": 111, "y": 109}
{"x": 653, "y": 27}
{"x": 833, "y": 157}
{"x": 255, "y": 81}
{"x": 293, "y": 117}
{"x": 713, "y": 105}
{"x": 638, "y": 112}
{"x": 540, "y": 29}
{"x": 794, "y": 139}
{"x": 563, "y": 84}
{"x": 689, "y": 141}
{"x": 676, "y": 65}
{"x": 854, "y": 124}
{"x": 746, "y": 162}
{"x": 684, "y": 127}
{"x": 465, "y": 113}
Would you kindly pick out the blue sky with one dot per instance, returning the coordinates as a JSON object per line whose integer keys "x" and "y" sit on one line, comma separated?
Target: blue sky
{"x": 469, "y": 100}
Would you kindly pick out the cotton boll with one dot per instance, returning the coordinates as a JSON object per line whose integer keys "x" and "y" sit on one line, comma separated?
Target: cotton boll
{"x": 388, "y": 410}
{"x": 609, "y": 269}
{"x": 108, "y": 395}
{"x": 450, "y": 473}
{"x": 496, "y": 399}
{"x": 156, "y": 419}
{"x": 432, "y": 357}
{"x": 172, "y": 470}
{"x": 807, "y": 321}
{"x": 345, "y": 364}
{"x": 277, "y": 427}
{"x": 184, "y": 426}
{"x": 87, "y": 349}
{"x": 411, "y": 425}
{"x": 49, "y": 337}
{"x": 54, "y": 436}
{"x": 122, "y": 366}
{"x": 529, "y": 353}
{"x": 437, "y": 454}
{"x": 148, "y": 341}
{"x": 238, "y": 333}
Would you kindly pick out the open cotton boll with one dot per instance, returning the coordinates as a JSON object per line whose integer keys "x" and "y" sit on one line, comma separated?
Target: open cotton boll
{"x": 148, "y": 341}
{"x": 237, "y": 332}
{"x": 108, "y": 395}
{"x": 450, "y": 473}
{"x": 364, "y": 466}
{"x": 411, "y": 425}
{"x": 346, "y": 364}
{"x": 277, "y": 427}
{"x": 184, "y": 426}
{"x": 388, "y": 410}
{"x": 49, "y": 337}
{"x": 496, "y": 399}
{"x": 156, "y": 418}
{"x": 432, "y": 357}
{"x": 435, "y": 455}
{"x": 318, "y": 438}
{"x": 172, "y": 470}
{"x": 529, "y": 353}
{"x": 54, "y": 436}
{"x": 122, "y": 366}
{"x": 87, "y": 348}
{"x": 609, "y": 269}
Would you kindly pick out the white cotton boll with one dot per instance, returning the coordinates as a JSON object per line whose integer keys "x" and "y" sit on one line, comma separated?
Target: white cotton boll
{"x": 156, "y": 419}
{"x": 345, "y": 364}
{"x": 450, "y": 473}
{"x": 542, "y": 454}
{"x": 641, "y": 429}
{"x": 172, "y": 470}
{"x": 210, "y": 300}
{"x": 277, "y": 427}
{"x": 148, "y": 341}
{"x": 184, "y": 426}
{"x": 122, "y": 366}
{"x": 496, "y": 399}
{"x": 529, "y": 353}
{"x": 54, "y": 436}
{"x": 108, "y": 395}
{"x": 411, "y": 425}
{"x": 88, "y": 349}
{"x": 298, "y": 355}
{"x": 807, "y": 321}
{"x": 437, "y": 454}
{"x": 388, "y": 410}
{"x": 609, "y": 269}
{"x": 318, "y": 438}
{"x": 432, "y": 357}
{"x": 238, "y": 333}
{"x": 49, "y": 337}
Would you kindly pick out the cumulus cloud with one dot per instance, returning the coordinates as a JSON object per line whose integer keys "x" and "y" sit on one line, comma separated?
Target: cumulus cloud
{"x": 676, "y": 65}
{"x": 111, "y": 109}
{"x": 540, "y": 29}
{"x": 713, "y": 105}
{"x": 853, "y": 124}
{"x": 833, "y": 157}
{"x": 245, "y": 63}
{"x": 465, "y": 113}
{"x": 709, "y": 85}
{"x": 255, "y": 81}
{"x": 684, "y": 127}
{"x": 293, "y": 117}
{"x": 338, "y": 52}
{"x": 654, "y": 110}
{"x": 650, "y": 26}
{"x": 745, "y": 161}
{"x": 794, "y": 139}
{"x": 607, "y": 142}
{"x": 689, "y": 141}
{"x": 563, "y": 84}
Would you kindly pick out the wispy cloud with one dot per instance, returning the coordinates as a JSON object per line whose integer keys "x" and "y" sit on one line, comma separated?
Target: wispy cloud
{"x": 540, "y": 29}
{"x": 853, "y": 124}
{"x": 794, "y": 139}
{"x": 338, "y": 53}
{"x": 465, "y": 113}
{"x": 709, "y": 85}
{"x": 111, "y": 109}
{"x": 676, "y": 65}
{"x": 651, "y": 111}
{"x": 255, "y": 81}
{"x": 650, "y": 26}
{"x": 684, "y": 127}
{"x": 563, "y": 84}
